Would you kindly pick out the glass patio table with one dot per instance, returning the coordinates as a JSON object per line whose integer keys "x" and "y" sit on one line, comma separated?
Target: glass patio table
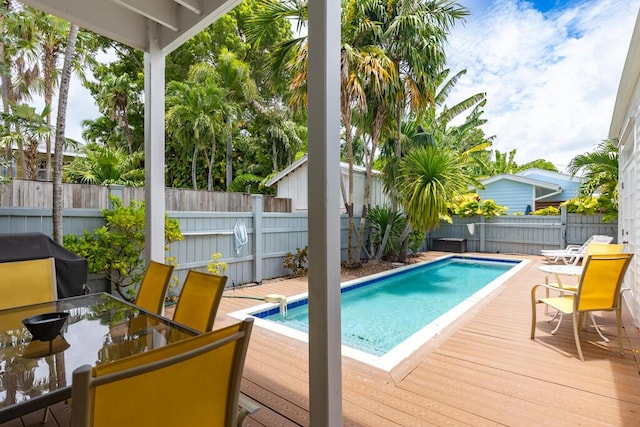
{"x": 100, "y": 328}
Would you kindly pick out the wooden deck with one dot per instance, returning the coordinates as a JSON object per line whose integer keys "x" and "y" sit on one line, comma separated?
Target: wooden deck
{"x": 482, "y": 371}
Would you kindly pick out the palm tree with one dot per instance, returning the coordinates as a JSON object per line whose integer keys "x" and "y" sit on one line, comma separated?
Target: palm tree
{"x": 20, "y": 68}
{"x": 29, "y": 129}
{"x": 428, "y": 178}
{"x": 413, "y": 38}
{"x": 53, "y": 36}
{"x": 364, "y": 67}
{"x": 114, "y": 97}
{"x": 600, "y": 169}
{"x": 104, "y": 165}
{"x": 63, "y": 95}
{"x": 430, "y": 126}
{"x": 235, "y": 76}
{"x": 194, "y": 115}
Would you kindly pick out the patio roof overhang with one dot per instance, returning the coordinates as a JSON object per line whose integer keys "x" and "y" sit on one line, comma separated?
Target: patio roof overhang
{"x": 127, "y": 21}
{"x": 158, "y": 27}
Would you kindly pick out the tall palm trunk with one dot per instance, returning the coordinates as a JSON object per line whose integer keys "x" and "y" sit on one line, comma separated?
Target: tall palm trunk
{"x": 394, "y": 198}
{"x": 194, "y": 164}
{"x": 346, "y": 120}
{"x": 229, "y": 156}
{"x": 376, "y": 131}
{"x": 50, "y": 59}
{"x": 211, "y": 163}
{"x": 63, "y": 96}
{"x": 5, "y": 80}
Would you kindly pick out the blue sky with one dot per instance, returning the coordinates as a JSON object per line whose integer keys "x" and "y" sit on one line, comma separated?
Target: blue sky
{"x": 550, "y": 70}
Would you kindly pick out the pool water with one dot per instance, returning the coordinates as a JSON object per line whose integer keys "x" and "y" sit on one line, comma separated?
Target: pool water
{"x": 383, "y": 313}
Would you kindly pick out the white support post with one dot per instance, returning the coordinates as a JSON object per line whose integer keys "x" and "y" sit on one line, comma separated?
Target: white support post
{"x": 325, "y": 364}
{"x": 154, "y": 147}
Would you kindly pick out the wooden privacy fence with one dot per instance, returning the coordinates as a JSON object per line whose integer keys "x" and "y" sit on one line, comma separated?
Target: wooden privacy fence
{"x": 39, "y": 194}
{"x": 524, "y": 234}
{"x": 272, "y": 235}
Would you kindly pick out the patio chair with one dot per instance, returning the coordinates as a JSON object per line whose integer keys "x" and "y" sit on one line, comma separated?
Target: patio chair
{"x": 194, "y": 382}
{"x": 199, "y": 300}
{"x": 598, "y": 290}
{"x": 154, "y": 287}
{"x": 594, "y": 248}
{"x": 27, "y": 282}
{"x": 572, "y": 254}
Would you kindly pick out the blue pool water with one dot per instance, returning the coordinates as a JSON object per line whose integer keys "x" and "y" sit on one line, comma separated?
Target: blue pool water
{"x": 379, "y": 314}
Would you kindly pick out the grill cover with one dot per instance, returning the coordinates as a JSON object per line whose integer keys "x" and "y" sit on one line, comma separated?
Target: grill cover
{"x": 71, "y": 269}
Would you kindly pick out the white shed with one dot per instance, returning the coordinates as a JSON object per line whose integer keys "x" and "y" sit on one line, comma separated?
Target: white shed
{"x": 292, "y": 183}
{"x": 625, "y": 131}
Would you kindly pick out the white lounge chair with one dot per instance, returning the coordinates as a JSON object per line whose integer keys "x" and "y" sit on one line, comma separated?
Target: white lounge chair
{"x": 572, "y": 254}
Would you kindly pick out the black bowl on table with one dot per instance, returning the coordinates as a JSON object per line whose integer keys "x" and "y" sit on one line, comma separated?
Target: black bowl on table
{"x": 45, "y": 327}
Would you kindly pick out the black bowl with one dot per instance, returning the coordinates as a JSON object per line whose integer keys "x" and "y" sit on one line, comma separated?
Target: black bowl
{"x": 45, "y": 327}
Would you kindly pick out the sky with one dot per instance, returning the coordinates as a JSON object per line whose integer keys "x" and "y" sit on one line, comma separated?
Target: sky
{"x": 550, "y": 70}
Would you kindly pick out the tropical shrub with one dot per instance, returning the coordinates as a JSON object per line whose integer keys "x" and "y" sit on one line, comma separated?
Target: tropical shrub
{"x": 115, "y": 250}
{"x": 297, "y": 262}
{"x": 586, "y": 205}
{"x": 548, "y": 211}
{"x": 217, "y": 267}
{"x": 471, "y": 204}
{"x": 378, "y": 218}
{"x": 252, "y": 184}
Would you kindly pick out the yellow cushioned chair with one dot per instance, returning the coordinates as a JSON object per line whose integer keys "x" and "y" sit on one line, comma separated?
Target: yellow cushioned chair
{"x": 27, "y": 282}
{"x": 154, "y": 286}
{"x": 598, "y": 290}
{"x": 594, "y": 248}
{"x": 199, "y": 300}
{"x": 194, "y": 382}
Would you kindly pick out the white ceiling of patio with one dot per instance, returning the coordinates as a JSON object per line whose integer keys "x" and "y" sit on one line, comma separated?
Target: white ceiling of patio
{"x": 127, "y": 20}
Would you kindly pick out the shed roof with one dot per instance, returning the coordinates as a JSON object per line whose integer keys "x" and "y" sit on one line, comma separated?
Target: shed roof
{"x": 302, "y": 160}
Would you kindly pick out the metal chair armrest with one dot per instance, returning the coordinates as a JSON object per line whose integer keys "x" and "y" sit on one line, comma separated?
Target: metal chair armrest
{"x": 247, "y": 406}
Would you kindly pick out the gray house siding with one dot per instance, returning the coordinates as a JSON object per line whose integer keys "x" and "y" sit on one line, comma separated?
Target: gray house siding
{"x": 514, "y": 195}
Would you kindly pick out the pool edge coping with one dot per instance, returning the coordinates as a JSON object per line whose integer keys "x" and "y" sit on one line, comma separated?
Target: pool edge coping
{"x": 394, "y": 357}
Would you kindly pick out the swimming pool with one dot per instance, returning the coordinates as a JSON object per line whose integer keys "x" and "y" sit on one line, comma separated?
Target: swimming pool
{"x": 387, "y": 316}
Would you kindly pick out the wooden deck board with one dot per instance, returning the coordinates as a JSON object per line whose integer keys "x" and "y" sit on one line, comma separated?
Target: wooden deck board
{"x": 483, "y": 370}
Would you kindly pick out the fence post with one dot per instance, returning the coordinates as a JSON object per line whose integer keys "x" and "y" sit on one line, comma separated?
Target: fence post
{"x": 115, "y": 190}
{"x": 563, "y": 226}
{"x": 257, "y": 237}
{"x": 482, "y": 235}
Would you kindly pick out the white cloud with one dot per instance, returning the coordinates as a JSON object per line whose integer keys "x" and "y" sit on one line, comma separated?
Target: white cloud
{"x": 551, "y": 79}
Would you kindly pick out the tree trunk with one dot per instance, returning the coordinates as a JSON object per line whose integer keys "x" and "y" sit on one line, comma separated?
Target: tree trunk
{"x": 50, "y": 60}
{"x": 349, "y": 201}
{"x": 63, "y": 95}
{"x": 394, "y": 198}
{"x": 211, "y": 163}
{"x": 5, "y": 80}
{"x": 194, "y": 163}
{"x": 376, "y": 130}
{"x": 229, "y": 156}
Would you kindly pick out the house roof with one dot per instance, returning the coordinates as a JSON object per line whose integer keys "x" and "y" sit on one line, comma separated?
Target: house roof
{"x": 523, "y": 180}
{"x": 302, "y": 160}
{"x": 549, "y": 174}
{"x": 628, "y": 80}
